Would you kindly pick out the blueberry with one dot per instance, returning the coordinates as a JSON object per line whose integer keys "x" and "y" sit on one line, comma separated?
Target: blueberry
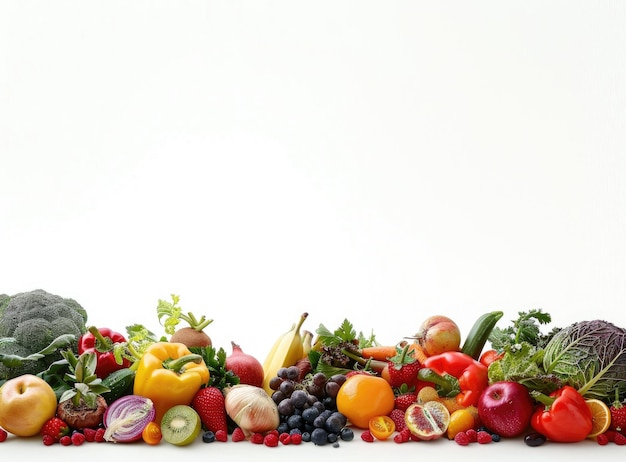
{"x": 346, "y": 434}
{"x": 319, "y": 437}
{"x": 208, "y": 436}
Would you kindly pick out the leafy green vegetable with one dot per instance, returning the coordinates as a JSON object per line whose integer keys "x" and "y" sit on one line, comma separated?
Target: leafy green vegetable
{"x": 526, "y": 328}
{"x": 173, "y": 315}
{"x": 215, "y": 360}
{"x": 522, "y": 363}
{"x": 591, "y": 357}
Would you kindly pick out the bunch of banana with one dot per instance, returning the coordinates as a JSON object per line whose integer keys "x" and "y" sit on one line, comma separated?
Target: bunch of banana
{"x": 287, "y": 350}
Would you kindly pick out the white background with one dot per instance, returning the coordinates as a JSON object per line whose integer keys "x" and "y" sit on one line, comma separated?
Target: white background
{"x": 380, "y": 162}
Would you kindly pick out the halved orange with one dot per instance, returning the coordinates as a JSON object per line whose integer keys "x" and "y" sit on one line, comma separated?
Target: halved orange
{"x": 381, "y": 427}
{"x": 600, "y": 417}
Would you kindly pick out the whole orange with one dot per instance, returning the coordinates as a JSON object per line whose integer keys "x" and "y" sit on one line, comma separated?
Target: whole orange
{"x": 363, "y": 396}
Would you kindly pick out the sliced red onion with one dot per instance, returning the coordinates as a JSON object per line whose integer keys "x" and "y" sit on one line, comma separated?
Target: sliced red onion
{"x": 126, "y": 417}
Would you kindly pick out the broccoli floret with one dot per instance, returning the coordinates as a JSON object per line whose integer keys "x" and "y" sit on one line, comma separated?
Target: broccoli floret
{"x": 33, "y": 320}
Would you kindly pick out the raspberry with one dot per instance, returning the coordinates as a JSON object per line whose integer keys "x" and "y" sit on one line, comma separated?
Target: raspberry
{"x": 65, "y": 440}
{"x": 3, "y": 435}
{"x": 610, "y": 434}
{"x": 48, "y": 440}
{"x": 270, "y": 440}
{"x": 296, "y": 438}
{"x": 99, "y": 436}
{"x": 238, "y": 435}
{"x": 462, "y": 439}
{"x": 221, "y": 435}
{"x": 602, "y": 439}
{"x": 284, "y": 438}
{"x": 398, "y": 418}
{"x": 483, "y": 437}
{"x": 90, "y": 434}
{"x": 471, "y": 434}
{"x": 619, "y": 439}
{"x": 256, "y": 438}
{"x": 367, "y": 436}
{"x": 77, "y": 438}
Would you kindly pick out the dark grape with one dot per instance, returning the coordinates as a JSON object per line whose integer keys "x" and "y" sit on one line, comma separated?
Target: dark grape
{"x": 534, "y": 439}
{"x": 287, "y": 387}
{"x": 293, "y": 372}
{"x": 338, "y": 378}
{"x": 283, "y": 427}
{"x": 299, "y": 398}
{"x": 282, "y": 373}
{"x": 346, "y": 434}
{"x": 295, "y": 421}
{"x": 319, "y": 379}
{"x": 331, "y": 389}
{"x": 285, "y": 407}
{"x": 309, "y": 415}
{"x": 275, "y": 382}
{"x": 319, "y": 437}
{"x": 333, "y": 424}
{"x": 320, "y": 421}
{"x": 278, "y": 396}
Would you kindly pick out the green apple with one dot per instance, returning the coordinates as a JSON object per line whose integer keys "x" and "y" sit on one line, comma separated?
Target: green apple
{"x": 26, "y": 403}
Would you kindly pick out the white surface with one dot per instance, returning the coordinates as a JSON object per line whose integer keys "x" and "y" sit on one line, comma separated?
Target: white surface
{"x": 376, "y": 162}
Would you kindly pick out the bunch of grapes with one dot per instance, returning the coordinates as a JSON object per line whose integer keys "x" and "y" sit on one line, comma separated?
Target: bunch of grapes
{"x": 309, "y": 407}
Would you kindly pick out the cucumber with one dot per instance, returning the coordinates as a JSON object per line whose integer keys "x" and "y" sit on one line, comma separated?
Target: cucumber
{"x": 479, "y": 333}
{"x": 120, "y": 383}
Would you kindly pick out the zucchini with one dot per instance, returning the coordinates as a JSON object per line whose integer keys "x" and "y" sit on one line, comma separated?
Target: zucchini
{"x": 120, "y": 383}
{"x": 479, "y": 333}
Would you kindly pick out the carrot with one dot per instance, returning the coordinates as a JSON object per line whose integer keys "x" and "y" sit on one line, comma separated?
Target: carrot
{"x": 418, "y": 352}
{"x": 379, "y": 352}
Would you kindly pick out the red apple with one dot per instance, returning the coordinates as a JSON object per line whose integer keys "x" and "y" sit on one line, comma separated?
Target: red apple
{"x": 505, "y": 408}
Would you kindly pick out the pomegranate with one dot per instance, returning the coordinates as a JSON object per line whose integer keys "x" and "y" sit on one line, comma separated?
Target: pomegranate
{"x": 427, "y": 421}
{"x": 245, "y": 366}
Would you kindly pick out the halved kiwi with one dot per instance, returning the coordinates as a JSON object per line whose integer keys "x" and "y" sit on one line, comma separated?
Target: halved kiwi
{"x": 180, "y": 425}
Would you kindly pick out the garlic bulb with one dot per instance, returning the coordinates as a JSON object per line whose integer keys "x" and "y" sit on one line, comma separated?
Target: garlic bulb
{"x": 251, "y": 408}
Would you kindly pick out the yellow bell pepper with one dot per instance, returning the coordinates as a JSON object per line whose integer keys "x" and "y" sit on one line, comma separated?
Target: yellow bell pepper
{"x": 169, "y": 374}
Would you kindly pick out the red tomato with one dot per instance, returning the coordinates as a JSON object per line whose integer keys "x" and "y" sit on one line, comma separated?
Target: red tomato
{"x": 490, "y": 356}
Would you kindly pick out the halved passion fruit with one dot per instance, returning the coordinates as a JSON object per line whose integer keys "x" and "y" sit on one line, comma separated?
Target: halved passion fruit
{"x": 427, "y": 421}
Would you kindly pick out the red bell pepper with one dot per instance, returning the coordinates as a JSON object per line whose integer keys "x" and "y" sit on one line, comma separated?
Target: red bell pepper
{"x": 565, "y": 416}
{"x": 101, "y": 342}
{"x": 456, "y": 374}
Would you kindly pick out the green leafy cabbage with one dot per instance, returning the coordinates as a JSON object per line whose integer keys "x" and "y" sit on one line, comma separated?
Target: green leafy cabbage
{"x": 591, "y": 357}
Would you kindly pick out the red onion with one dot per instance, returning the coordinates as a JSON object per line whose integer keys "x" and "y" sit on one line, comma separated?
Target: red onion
{"x": 126, "y": 417}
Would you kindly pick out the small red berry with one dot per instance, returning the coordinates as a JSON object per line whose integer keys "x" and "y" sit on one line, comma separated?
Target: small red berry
{"x": 619, "y": 439}
{"x": 270, "y": 440}
{"x": 296, "y": 438}
{"x": 65, "y": 440}
{"x": 462, "y": 439}
{"x": 78, "y": 438}
{"x": 90, "y": 434}
{"x": 238, "y": 435}
{"x": 99, "y": 436}
{"x": 3, "y": 435}
{"x": 483, "y": 437}
{"x": 256, "y": 438}
{"x": 602, "y": 439}
{"x": 367, "y": 436}
{"x": 284, "y": 438}
{"x": 221, "y": 435}
{"x": 48, "y": 440}
{"x": 472, "y": 435}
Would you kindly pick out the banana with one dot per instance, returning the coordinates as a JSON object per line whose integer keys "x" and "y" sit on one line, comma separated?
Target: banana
{"x": 287, "y": 350}
{"x": 479, "y": 333}
{"x": 307, "y": 343}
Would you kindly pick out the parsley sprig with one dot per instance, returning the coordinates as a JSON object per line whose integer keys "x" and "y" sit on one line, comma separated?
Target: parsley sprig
{"x": 526, "y": 328}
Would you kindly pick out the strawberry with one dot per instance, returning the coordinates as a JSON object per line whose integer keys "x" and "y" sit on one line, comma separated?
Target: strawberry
{"x": 209, "y": 404}
{"x": 618, "y": 417}
{"x": 403, "y": 368}
{"x": 55, "y": 428}
{"x": 404, "y": 400}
